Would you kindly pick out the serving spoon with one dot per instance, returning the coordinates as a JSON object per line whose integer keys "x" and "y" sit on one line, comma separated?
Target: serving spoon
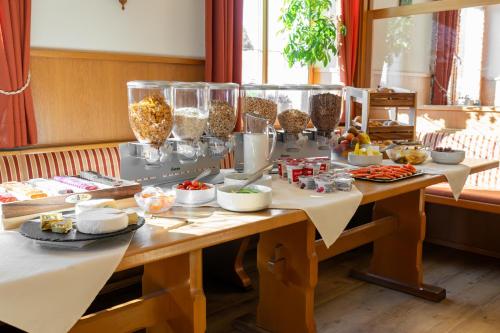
{"x": 252, "y": 178}
{"x": 204, "y": 173}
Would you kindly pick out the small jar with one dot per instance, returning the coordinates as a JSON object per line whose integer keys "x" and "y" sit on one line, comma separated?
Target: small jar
{"x": 150, "y": 111}
{"x": 190, "y": 110}
{"x": 223, "y": 108}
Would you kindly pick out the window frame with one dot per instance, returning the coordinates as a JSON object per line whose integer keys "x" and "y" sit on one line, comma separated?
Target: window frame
{"x": 370, "y": 15}
{"x": 265, "y": 47}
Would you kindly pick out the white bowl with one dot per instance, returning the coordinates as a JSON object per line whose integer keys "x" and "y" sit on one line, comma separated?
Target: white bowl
{"x": 194, "y": 197}
{"x": 448, "y": 157}
{"x": 244, "y": 202}
{"x": 364, "y": 160}
{"x": 238, "y": 178}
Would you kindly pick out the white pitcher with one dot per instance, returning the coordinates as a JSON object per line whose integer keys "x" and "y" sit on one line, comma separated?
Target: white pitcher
{"x": 257, "y": 152}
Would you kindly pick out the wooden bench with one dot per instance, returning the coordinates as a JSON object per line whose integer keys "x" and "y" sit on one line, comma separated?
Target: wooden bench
{"x": 469, "y": 223}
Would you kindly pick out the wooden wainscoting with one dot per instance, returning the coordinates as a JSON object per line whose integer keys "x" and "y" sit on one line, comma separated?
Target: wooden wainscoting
{"x": 81, "y": 97}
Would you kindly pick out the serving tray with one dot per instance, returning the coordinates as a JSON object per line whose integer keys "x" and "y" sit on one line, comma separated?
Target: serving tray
{"x": 31, "y": 229}
{"x": 416, "y": 174}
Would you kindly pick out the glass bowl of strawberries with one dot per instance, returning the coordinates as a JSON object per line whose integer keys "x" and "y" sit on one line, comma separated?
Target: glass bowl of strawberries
{"x": 194, "y": 192}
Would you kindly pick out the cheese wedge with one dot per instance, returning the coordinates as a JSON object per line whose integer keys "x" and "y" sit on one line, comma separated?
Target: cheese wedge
{"x": 101, "y": 221}
{"x": 47, "y": 219}
{"x": 92, "y": 204}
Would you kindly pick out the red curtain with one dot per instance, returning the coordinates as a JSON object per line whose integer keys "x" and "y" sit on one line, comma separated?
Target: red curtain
{"x": 223, "y": 40}
{"x": 17, "y": 119}
{"x": 447, "y": 29}
{"x": 348, "y": 52}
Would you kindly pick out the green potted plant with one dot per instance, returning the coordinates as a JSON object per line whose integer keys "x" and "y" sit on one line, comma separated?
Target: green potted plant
{"x": 312, "y": 32}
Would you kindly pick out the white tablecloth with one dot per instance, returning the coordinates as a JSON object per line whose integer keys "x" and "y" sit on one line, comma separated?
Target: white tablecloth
{"x": 329, "y": 212}
{"x": 47, "y": 289}
{"x": 456, "y": 175}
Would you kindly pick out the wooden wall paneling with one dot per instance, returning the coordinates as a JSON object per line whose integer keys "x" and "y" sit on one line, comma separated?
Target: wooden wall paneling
{"x": 81, "y": 97}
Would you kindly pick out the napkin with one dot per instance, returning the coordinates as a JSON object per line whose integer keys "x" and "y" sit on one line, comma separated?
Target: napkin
{"x": 329, "y": 212}
{"x": 47, "y": 289}
{"x": 456, "y": 175}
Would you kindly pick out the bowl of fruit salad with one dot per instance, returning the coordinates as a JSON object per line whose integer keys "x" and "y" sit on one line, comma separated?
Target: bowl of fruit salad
{"x": 154, "y": 200}
{"x": 446, "y": 155}
{"x": 194, "y": 192}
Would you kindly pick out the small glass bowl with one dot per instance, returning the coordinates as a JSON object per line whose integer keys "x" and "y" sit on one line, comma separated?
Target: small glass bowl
{"x": 155, "y": 201}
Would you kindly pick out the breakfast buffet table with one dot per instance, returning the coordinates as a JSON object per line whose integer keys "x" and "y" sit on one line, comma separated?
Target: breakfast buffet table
{"x": 287, "y": 257}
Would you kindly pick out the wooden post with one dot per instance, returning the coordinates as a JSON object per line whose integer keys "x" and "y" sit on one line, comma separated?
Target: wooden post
{"x": 181, "y": 277}
{"x": 397, "y": 257}
{"x": 288, "y": 272}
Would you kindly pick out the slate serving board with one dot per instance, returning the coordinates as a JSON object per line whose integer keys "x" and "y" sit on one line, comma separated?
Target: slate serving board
{"x": 31, "y": 229}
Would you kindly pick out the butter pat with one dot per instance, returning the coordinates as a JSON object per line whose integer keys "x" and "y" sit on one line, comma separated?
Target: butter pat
{"x": 101, "y": 221}
{"x": 46, "y": 220}
{"x": 92, "y": 204}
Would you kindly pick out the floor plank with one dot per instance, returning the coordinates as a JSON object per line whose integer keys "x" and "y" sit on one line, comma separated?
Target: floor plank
{"x": 346, "y": 305}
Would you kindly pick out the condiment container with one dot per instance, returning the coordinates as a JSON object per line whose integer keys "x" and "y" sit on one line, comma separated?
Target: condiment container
{"x": 307, "y": 182}
{"x": 325, "y": 102}
{"x": 294, "y": 170}
{"x": 293, "y": 107}
{"x": 312, "y": 168}
{"x": 190, "y": 110}
{"x": 150, "y": 110}
{"x": 324, "y": 184}
{"x": 259, "y": 100}
{"x": 223, "y": 108}
{"x": 343, "y": 183}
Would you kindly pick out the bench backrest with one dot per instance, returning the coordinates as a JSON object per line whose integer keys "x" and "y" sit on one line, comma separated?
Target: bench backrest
{"x": 65, "y": 161}
{"x": 475, "y": 146}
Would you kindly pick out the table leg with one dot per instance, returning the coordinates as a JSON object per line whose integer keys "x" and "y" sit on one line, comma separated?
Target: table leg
{"x": 181, "y": 277}
{"x": 397, "y": 257}
{"x": 288, "y": 273}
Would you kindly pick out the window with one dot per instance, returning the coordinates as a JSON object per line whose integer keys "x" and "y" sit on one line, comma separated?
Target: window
{"x": 263, "y": 60}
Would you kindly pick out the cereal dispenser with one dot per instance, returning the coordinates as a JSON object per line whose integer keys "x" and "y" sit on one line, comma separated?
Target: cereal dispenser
{"x": 158, "y": 109}
{"x": 293, "y": 114}
{"x": 150, "y": 111}
{"x": 223, "y": 112}
{"x": 190, "y": 117}
{"x": 325, "y": 105}
{"x": 260, "y": 101}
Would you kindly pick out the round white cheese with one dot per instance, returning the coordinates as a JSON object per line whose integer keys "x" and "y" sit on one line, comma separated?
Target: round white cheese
{"x": 101, "y": 221}
{"x": 92, "y": 204}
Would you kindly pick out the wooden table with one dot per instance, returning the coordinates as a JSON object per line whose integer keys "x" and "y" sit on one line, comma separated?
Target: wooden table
{"x": 287, "y": 259}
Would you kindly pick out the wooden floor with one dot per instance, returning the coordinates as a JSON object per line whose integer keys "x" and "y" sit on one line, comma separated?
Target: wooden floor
{"x": 347, "y": 305}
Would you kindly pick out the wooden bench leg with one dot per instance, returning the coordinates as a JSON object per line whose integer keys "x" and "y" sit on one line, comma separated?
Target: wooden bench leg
{"x": 397, "y": 257}
{"x": 181, "y": 277}
{"x": 288, "y": 273}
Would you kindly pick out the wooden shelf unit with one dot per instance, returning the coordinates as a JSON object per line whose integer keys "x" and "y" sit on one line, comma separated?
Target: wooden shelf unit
{"x": 373, "y": 98}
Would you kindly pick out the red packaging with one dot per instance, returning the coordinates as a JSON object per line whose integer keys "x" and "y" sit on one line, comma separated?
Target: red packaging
{"x": 294, "y": 170}
{"x": 311, "y": 169}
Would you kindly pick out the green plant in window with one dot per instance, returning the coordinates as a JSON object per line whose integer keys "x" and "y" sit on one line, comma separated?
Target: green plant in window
{"x": 312, "y": 32}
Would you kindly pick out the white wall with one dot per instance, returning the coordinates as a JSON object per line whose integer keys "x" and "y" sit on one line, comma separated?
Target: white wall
{"x": 159, "y": 27}
{"x": 492, "y": 28}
